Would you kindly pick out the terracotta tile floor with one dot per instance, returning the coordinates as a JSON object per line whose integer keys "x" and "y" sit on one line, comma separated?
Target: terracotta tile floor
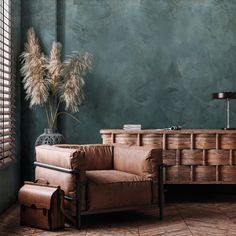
{"x": 181, "y": 219}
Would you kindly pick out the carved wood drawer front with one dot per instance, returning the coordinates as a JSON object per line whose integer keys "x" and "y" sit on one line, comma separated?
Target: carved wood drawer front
{"x": 196, "y": 156}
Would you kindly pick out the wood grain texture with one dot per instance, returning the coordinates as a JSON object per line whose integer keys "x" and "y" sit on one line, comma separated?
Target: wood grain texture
{"x": 218, "y": 157}
{"x": 228, "y": 141}
{"x": 178, "y": 174}
{"x": 192, "y": 156}
{"x": 227, "y": 173}
{"x": 204, "y": 174}
{"x": 178, "y": 141}
{"x": 107, "y": 138}
{"x": 205, "y": 141}
{"x": 126, "y": 138}
{"x": 181, "y": 219}
{"x": 161, "y": 131}
{"x": 169, "y": 157}
{"x": 152, "y": 139}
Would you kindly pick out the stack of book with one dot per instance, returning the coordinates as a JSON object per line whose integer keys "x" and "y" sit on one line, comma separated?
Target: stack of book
{"x": 132, "y": 127}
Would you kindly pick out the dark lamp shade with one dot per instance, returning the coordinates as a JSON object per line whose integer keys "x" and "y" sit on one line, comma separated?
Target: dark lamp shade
{"x": 224, "y": 95}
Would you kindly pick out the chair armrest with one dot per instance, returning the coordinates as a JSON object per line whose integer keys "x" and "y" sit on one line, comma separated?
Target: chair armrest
{"x": 57, "y": 168}
{"x": 67, "y": 158}
{"x": 97, "y": 156}
{"x": 64, "y": 167}
{"x": 139, "y": 160}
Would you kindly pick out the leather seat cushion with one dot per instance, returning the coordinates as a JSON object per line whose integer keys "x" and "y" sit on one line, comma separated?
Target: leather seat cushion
{"x": 107, "y": 189}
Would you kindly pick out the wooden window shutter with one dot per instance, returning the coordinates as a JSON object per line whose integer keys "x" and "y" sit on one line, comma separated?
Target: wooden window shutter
{"x": 7, "y": 86}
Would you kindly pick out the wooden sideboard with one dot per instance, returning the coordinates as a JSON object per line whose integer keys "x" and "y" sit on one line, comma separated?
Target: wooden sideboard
{"x": 192, "y": 156}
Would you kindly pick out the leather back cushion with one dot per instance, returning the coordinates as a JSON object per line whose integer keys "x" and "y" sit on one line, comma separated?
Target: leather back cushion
{"x": 137, "y": 160}
{"x": 97, "y": 156}
{"x": 69, "y": 158}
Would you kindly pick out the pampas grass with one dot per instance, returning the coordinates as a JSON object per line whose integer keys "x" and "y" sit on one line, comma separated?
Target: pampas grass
{"x": 54, "y": 66}
{"x": 72, "y": 88}
{"x": 48, "y": 82}
{"x": 33, "y": 71}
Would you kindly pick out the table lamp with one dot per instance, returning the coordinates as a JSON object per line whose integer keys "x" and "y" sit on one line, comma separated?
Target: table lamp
{"x": 227, "y": 96}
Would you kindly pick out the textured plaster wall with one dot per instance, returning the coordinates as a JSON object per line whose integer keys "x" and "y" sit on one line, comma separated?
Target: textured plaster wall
{"x": 10, "y": 176}
{"x": 40, "y": 14}
{"x": 156, "y": 62}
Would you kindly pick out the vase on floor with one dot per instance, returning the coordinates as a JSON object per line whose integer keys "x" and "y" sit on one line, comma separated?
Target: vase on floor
{"x": 50, "y": 137}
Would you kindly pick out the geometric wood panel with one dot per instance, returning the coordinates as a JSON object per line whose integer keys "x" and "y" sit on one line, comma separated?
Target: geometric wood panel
{"x": 178, "y": 141}
{"x": 152, "y": 140}
{"x": 227, "y": 173}
{"x": 178, "y": 173}
{"x": 192, "y": 156}
{"x": 205, "y": 173}
{"x": 228, "y": 141}
{"x": 126, "y": 139}
{"x": 205, "y": 141}
{"x": 169, "y": 157}
{"x": 218, "y": 157}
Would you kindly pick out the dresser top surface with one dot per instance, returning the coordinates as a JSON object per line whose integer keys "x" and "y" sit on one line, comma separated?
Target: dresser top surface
{"x": 161, "y": 131}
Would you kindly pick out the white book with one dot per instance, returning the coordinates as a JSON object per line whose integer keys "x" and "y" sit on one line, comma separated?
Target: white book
{"x": 132, "y": 126}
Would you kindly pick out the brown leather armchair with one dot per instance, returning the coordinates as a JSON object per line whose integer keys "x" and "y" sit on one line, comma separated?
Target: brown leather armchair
{"x": 103, "y": 178}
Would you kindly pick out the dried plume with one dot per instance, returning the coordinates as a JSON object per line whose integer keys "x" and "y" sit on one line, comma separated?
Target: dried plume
{"x": 33, "y": 62}
{"x": 48, "y": 81}
{"x": 72, "y": 88}
{"x": 54, "y": 66}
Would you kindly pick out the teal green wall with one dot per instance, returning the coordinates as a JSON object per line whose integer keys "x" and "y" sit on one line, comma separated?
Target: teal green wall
{"x": 156, "y": 62}
{"x": 41, "y": 14}
{"x": 10, "y": 176}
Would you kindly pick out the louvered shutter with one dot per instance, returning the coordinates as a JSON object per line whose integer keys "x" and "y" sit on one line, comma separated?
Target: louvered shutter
{"x": 7, "y": 142}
